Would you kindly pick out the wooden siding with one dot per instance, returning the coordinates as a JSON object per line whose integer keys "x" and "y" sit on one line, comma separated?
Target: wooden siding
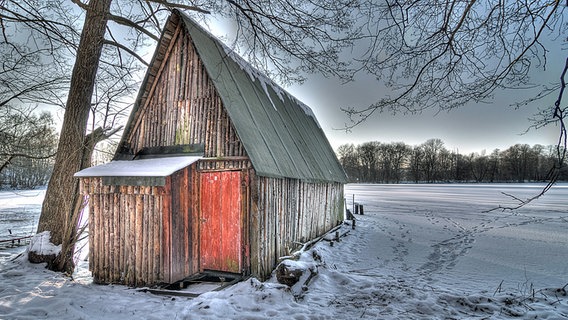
{"x": 286, "y": 212}
{"x": 141, "y": 235}
{"x": 183, "y": 107}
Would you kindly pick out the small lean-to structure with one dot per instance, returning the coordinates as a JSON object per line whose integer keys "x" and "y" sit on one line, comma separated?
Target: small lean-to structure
{"x": 218, "y": 169}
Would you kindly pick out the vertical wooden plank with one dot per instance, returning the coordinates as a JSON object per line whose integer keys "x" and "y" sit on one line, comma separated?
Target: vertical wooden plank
{"x": 139, "y": 238}
{"x": 259, "y": 230}
{"x": 105, "y": 250}
{"x": 245, "y": 222}
{"x": 183, "y": 227}
{"x": 270, "y": 225}
{"x": 176, "y": 222}
{"x": 166, "y": 230}
{"x": 280, "y": 218}
{"x": 144, "y": 241}
{"x": 131, "y": 274}
{"x": 125, "y": 218}
{"x": 149, "y": 227}
{"x": 109, "y": 235}
{"x": 94, "y": 250}
{"x": 100, "y": 227}
{"x": 294, "y": 210}
{"x": 186, "y": 204}
{"x": 232, "y": 227}
{"x": 209, "y": 222}
{"x": 284, "y": 209}
{"x": 324, "y": 205}
{"x": 269, "y": 231}
{"x": 254, "y": 227}
{"x": 101, "y": 249}
{"x": 116, "y": 236}
{"x": 195, "y": 223}
{"x": 264, "y": 241}
{"x": 93, "y": 232}
{"x": 123, "y": 232}
{"x": 300, "y": 212}
{"x": 158, "y": 236}
{"x": 226, "y": 189}
{"x": 126, "y": 238}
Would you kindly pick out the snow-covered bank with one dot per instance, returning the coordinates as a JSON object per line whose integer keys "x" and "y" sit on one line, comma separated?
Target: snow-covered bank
{"x": 419, "y": 252}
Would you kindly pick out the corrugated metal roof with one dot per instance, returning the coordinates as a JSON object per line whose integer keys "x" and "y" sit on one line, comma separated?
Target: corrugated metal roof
{"x": 279, "y": 133}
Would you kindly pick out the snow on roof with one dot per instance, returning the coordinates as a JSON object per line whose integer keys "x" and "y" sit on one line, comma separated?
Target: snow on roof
{"x": 156, "y": 167}
{"x": 265, "y": 81}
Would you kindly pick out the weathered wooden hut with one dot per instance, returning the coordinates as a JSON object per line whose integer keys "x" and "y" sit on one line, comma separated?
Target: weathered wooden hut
{"x": 218, "y": 169}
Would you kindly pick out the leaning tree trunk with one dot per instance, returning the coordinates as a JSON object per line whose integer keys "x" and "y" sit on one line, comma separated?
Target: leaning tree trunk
{"x": 62, "y": 197}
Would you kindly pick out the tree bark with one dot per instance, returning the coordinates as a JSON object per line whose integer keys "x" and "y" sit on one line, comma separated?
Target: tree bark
{"x": 62, "y": 200}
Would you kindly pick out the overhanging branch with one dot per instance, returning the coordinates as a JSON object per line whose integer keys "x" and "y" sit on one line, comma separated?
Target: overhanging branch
{"x": 129, "y": 23}
{"x": 130, "y": 51}
{"x": 180, "y": 6}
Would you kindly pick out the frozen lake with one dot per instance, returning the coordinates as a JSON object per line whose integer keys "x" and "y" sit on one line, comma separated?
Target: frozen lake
{"x": 443, "y": 234}
{"x": 419, "y": 252}
{"x": 19, "y": 212}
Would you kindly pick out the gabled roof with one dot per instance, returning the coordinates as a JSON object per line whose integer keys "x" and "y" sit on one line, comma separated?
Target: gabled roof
{"x": 280, "y": 134}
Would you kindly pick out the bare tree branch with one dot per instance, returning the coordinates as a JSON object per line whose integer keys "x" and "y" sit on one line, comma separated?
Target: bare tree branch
{"x": 523, "y": 202}
{"x": 444, "y": 58}
{"x": 27, "y": 156}
{"x": 559, "y": 116}
{"x": 180, "y": 6}
{"x": 126, "y": 22}
{"x": 130, "y": 51}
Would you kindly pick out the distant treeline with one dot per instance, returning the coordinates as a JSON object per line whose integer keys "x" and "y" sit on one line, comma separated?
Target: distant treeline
{"x": 28, "y": 141}
{"x": 377, "y": 162}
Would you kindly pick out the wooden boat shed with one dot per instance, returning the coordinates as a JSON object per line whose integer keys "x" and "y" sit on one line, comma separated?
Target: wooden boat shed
{"x": 218, "y": 169}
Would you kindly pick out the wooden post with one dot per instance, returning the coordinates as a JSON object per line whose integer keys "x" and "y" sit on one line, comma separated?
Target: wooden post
{"x": 354, "y": 203}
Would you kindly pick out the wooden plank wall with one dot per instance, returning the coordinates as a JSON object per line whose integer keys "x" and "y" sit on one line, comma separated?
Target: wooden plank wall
{"x": 125, "y": 228}
{"x": 183, "y": 107}
{"x": 285, "y": 212}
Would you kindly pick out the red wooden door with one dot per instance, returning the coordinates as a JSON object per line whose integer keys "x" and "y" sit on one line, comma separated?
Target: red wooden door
{"x": 221, "y": 221}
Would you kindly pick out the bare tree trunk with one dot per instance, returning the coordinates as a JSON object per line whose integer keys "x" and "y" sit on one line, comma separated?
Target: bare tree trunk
{"x": 62, "y": 198}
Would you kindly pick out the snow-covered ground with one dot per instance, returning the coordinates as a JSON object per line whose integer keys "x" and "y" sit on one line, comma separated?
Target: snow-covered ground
{"x": 419, "y": 252}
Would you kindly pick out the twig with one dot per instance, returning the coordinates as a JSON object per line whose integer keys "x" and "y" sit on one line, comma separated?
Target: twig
{"x": 498, "y": 290}
{"x": 522, "y": 202}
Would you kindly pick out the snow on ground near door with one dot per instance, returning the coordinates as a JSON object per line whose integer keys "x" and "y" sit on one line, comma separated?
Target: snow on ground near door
{"x": 419, "y": 252}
